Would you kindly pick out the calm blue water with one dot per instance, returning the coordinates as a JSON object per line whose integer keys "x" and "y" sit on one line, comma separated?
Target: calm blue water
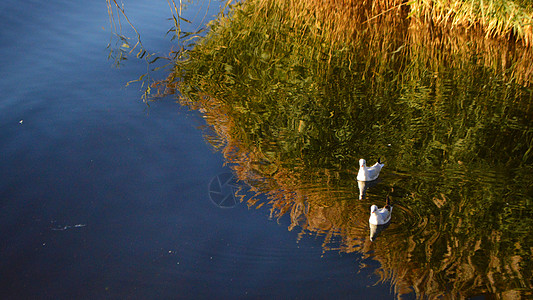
{"x": 103, "y": 197}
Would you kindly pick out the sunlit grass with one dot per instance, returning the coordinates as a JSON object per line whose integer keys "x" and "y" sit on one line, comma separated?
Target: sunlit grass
{"x": 501, "y": 19}
{"x": 497, "y": 18}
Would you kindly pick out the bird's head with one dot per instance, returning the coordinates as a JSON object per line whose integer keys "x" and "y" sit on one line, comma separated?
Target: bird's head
{"x": 373, "y": 208}
{"x": 362, "y": 163}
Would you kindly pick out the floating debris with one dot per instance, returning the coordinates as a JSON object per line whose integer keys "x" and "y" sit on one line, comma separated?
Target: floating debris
{"x": 68, "y": 227}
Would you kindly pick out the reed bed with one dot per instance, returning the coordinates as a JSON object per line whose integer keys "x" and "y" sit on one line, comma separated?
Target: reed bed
{"x": 496, "y": 18}
{"x": 501, "y": 19}
{"x": 498, "y": 32}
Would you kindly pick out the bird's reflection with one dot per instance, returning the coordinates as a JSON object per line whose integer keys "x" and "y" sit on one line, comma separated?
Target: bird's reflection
{"x": 375, "y": 230}
{"x": 364, "y": 185}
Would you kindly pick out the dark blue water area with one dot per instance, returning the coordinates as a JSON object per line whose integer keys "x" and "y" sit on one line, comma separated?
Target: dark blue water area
{"x": 103, "y": 197}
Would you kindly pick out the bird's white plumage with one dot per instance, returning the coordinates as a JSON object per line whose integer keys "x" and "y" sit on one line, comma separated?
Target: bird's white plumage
{"x": 368, "y": 173}
{"x": 380, "y": 216}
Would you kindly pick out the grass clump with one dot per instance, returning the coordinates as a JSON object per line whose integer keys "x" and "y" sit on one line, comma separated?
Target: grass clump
{"x": 496, "y": 18}
{"x": 502, "y": 19}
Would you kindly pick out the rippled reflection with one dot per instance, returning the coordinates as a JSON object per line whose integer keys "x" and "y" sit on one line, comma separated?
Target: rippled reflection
{"x": 293, "y": 115}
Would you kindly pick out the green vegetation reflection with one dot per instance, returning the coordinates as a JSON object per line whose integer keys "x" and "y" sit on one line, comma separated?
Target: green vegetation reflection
{"x": 450, "y": 114}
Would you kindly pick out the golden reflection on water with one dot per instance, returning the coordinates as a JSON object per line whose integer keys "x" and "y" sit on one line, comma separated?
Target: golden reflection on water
{"x": 450, "y": 113}
{"x": 425, "y": 248}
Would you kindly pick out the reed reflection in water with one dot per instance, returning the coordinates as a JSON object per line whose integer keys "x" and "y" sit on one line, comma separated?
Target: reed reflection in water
{"x": 293, "y": 113}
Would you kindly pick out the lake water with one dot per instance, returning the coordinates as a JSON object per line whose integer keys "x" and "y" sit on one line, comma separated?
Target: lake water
{"x": 103, "y": 197}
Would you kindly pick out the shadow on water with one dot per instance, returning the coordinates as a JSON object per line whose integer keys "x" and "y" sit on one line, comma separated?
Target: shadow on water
{"x": 293, "y": 111}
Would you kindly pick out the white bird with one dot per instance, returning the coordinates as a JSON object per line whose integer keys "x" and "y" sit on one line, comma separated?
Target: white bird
{"x": 369, "y": 173}
{"x": 380, "y": 216}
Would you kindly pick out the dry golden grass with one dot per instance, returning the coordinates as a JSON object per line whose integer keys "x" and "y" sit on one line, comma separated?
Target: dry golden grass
{"x": 494, "y": 18}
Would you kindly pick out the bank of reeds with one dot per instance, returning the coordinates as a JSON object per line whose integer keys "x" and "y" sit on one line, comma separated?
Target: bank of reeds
{"x": 496, "y": 18}
{"x": 501, "y": 19}
{"x": 498, "y": 32}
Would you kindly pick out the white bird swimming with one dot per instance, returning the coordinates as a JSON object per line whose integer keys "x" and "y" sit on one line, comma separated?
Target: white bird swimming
{"x": 369, "y": 173}
{"x": 380, "y": 216}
